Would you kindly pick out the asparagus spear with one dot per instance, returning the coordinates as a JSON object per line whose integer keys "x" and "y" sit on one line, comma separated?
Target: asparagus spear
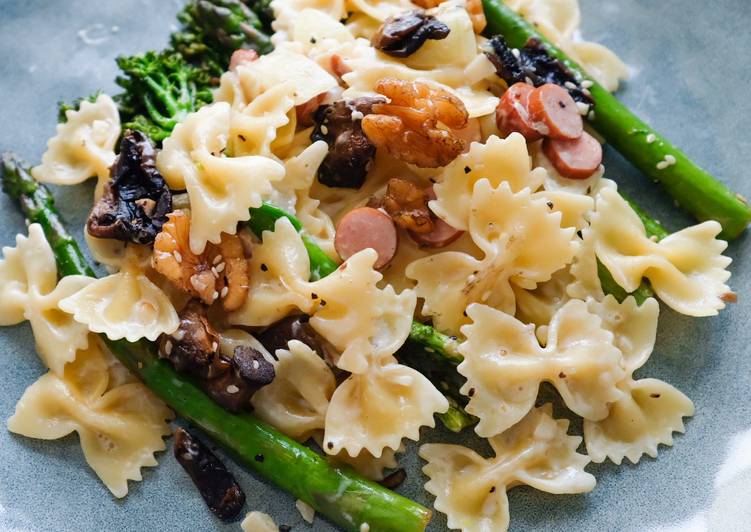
{"x": 343, "y": 496}
{"x": 692, "y": 187}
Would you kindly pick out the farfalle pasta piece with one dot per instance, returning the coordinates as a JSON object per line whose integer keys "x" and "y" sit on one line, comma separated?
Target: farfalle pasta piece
{"x": 374, "y": 410}
{"x": 120, "y": 425}
{"x": 292, "y": 194}
{"x": 365, "y": 328}
{"x": 497, "y": 160}
{"x": 650, "y": 409}
{"x": 123, "y": 305}
{"x": 522, "y": 242}
{"x": 372, "y": 325}
{"x": 84, "y": 145}
{"x": 472, "y": 490}
{"x": 267, "y": 122}
{"x": 29, "y": 291}
{"x": 297, "y": 399}
{"x": 504, "y": 365}
{"x": 221, "y": 189}
{"x": 686, "y": 269}
{"x": 368, "y": 465}
{"x": 279, "y": 266}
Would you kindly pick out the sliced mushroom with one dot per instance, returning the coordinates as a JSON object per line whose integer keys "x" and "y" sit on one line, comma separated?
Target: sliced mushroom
{"x": 218, "y": 487}
{"x": 350, "y": 152}
{"x": 136, "y": 199}
{"x": 194, "y": 349}
{"x": 404, "y": 34}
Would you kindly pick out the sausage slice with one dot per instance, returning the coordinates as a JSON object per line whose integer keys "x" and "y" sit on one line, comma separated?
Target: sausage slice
{"x": 554, "y": 107}
{"x": 575, "y": 159}
{"x": 512, "y": 113}
{"x": 366, "y": 227}
{"x": 442, "y": 233}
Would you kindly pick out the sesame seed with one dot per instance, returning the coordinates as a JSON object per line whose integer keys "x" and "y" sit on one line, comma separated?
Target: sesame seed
{"x": 586, "y": 92}
{"x": 662, "y": 165}
{"x": 140, "y": 365}
{"x": 178, "y": 256}
{"x": 215, "y": 295}
{"x": 528, "y": 81}
{"x": 168, "y": 347}
{"x": 591, "y": 115}
{"x": 178, "y": 334}
{"x": 651, "y": 138}
{"x": 583, "y": 108}
{"x": 214, "y": 272}
{"x": 324, "y": 130}
{"x": 430, "y": 350}
{"x": 217, "y": 259}
{"x": 653, "y": 238}
{"x": 587, "y": 83}
{"x": 220, "y": 267}
{"x": 516, "y": 52}
{"x": 214, "y": 346}
{"x": 357, "y": 115}
{"x": 256, "y": 365}
{"x": 670, "y": 159}
{"x": 232, "y": 389}
{"x": 224, "y": 291}
{"x": 569, "y": 85}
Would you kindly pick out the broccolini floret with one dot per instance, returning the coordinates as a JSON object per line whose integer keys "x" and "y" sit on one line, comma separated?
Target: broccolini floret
{"x": 213, "y": 29}
{"x": 161, "y": 89}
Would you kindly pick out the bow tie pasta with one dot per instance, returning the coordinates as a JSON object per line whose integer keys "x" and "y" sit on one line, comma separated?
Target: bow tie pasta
{"x": 522, "y": 242}
{"x": 650, "y": 410}
{"x": 504, "y": 365}
{"x": 537, "y": 451}
{"x": 297, "y": 399}
{"x": 221, "y": 189}
{"x": 686, "y": 269}
{"x": 29, "y": 291}
{"x": 374, "y": 410}
{"x": 84, "y": 145}
{"x": 372, "y": 325}
{"x": 124, "y": 305}
{"x": 120, "y": 426}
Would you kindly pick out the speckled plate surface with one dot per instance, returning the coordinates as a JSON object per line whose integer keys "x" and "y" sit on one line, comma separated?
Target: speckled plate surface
{"x": 692, "y": 74}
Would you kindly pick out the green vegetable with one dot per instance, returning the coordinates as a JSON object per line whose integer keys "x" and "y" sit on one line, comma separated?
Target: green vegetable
{"x": 438, "y": 352}
{"x": 161, "y": 89}
{"x": 213, "y": 29}
{"x": 343, "y": 496}
{"x": 692, "y": 187}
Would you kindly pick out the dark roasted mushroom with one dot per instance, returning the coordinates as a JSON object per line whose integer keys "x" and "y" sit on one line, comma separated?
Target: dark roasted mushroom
{"x": 402, "y": 35}
{"x": 233, "y": 381}
{"x": 136, "y": 199}
{"x": 194, "y": 349}
{"x": 407, "y": 204}
{"x": 217, "y": 485}
{"x": 394, "y": 480}
{"x": 535, "y": 66}
{"x": 278, "y": 335}
{"x": 350, "y": 152}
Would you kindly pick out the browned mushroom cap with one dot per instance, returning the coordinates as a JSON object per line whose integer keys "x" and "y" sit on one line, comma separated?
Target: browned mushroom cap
{"x": 350, "y": 152}
{"x": 278, "y": 335}
{"x": 217, "y": 485}
{"x": 136, "y": 200}
{"x": 233, "y": 381}
{"x": 402, "y": 35}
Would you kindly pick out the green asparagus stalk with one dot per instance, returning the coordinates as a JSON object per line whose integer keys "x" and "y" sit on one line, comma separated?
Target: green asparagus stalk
{"x": 437, "y": 348}
{"x": 343, "y": 496}
{"x": 692, "y": 187}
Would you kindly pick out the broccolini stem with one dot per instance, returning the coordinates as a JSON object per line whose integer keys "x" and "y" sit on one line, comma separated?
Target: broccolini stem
{"x": 343, "y": 496}
{"x": 693, "y": 188}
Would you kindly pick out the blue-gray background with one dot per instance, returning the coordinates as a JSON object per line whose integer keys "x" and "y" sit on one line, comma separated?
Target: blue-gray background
{"x": 691, "y": 81}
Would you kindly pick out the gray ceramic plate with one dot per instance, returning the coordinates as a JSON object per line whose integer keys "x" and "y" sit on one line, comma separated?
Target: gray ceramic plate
{"x": 692, "y": 80}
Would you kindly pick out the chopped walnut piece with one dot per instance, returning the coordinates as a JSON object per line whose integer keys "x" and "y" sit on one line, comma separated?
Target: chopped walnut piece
{"x": 418, "y": 124}
{"x": 220, "y": 272}
{"x": 402, "y": 35}
{"x": 407, "y": 205}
